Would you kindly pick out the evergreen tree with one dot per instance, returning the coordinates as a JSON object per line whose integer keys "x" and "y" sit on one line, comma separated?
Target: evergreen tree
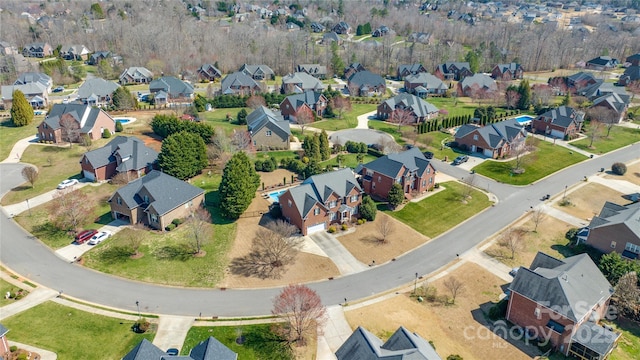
{"x": 336, "y": 61}
{"x": 21, "y": 111}
{"x": 325, "y": 151}
{"x": 525, "y": 95}
{"x": 242, "y": 117}
{"x": 366, "y": 28}
{"x": 359, "y": 30}
{"x": 183, "y": 155}
{"x": 315, "y": 147}
{"x": 473, "y": 60}
{"x": 312, "y": 168}
{"x": 123, "y": 99}
{"x": 368, "y": 209}
{"x": 238, "y": 186}
{"x": 396, "y": 195}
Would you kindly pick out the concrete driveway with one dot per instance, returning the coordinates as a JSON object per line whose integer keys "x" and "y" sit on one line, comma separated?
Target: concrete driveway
{"x": 346, "y": 263}
{"x": 367, "y": 136}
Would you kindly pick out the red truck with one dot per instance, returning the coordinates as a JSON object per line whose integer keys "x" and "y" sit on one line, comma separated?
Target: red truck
{"x": 85, "y": 235}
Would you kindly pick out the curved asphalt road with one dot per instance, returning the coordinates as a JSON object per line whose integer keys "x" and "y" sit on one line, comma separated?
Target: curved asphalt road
{"x": 30, "y": 258}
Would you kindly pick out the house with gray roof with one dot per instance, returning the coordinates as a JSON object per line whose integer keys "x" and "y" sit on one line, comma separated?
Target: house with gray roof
{"x": 209, "y": 349}
{"x": 209, "y": 72}
{"x": 616, "y": 228}
{"x": 410, "y": 169}
{"x": 475, "y": 84}
{"x": 402, "y": 345}
{"x": 322, "y": 200}
{"x": 155, "y": 200}
{"x": 353, "y": 68}
{"x": 239, "y": 83}
{"x": 4, "y": 344}
{"x": 561, "y": 122}
{"x": 258, "y": 72}
{"x": 634, "y": 59}
{"x": 37, "y": 49}
{"x": 312, "y": 102}
{"x": 618, "y": 103}
{"x": 176, "y": 90}
{"x": 135, "y": 75}
{"x": 507, "y": 72}
{"x": 268, "y": 130}
{"x": 562, "y": 301}
{"x": 631, "y": 74}
{"x": 35, "y": 93}
{"x": 423, "y": 84}
{"x": 96, "y": 91}
{"x": 98, "y": 56}
{"x": 69, "y": 122}
{"x": 330, "y": 37}
{"x": 300, "y": 82}
{"x": 408, "y": 108}
{"x": 600, "y": 88}
{"x": 453, "y": 71}
{"x": 580, "y": 80}
{"x": 122, "y": 155}
{"x": 74, "y": 52}
{"x": 32, "y": 77}
{"x": 341, "y": 28}
{"x": 494, "y": 140}
{"x": 602, "y": 63}
{"x": 316, "y": 70}
{"x": 366, "y": 83}
{"x": 405, "y": 70}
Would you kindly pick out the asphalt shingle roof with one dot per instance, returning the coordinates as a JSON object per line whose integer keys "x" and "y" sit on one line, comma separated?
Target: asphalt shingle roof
{"x": 303, "y": 81}
{"x": 427, "y": 80}
{"x": 133, "y": 151}
{"x": 97, "y": 86}
{"x": 238, "y": 79}
{"x": 614, "y": 214}
{"x": 390, "y": 165}
{"x": 29, "y": 89}
{"x": 212, "y": 349}
{"x": 86, "y": 115}
{"x": 420, "y": 107}
{"x": 494, "y": 134}
{"x": 145, "y": 350}
{"x": 362, "y": 78}
{"x": 412, "y": 68}
{"x": 30, "y": 77}
{"x": 172, "y": 86}
{"x": 481, "y": 80}
{"x": 262, "y": 117}
{"x": 308, "y": 97}
{"x": 563, "y": 116}
{"x": 137, "y": 72}
{"x": 402, "y": 345}
{"x": 256, "y": 69}
{"x": 614, "y": 100}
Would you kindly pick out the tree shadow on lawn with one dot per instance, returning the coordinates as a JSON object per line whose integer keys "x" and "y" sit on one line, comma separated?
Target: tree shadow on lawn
{"x": 212, "y": 202}
{"x": 266, "y": 343}
{"x": 115, "y": 254}
{"x": 256, "y": 264}
{"x": 104, "y": 219}
{"x": 182, "y": 252}
{"x": 570, "y": 249}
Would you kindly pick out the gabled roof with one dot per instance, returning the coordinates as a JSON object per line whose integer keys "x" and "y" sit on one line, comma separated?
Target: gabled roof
{"x": 391, "y": 165}
{"x": 614, "y": 214}
{"x": 614, "y": 101}
{"x": 402, "y": 345}
{"x": 480, "y": 80}
{"x": 633, "y": 57}
{"x": 312, "y": 68}
{"x": 3, "y": 330}
{"x": 134, "y": 154}
{"x": 581, "y": 76}
{"x": 563, "y": 116}
{"x": 603, "y": 61}
{"x": 28, "y": 89}
{"x": 308, "y": 97}
{"x": 420, "y": 107}
{"x": 366, "y": 77}
{"x": 412, "y": 68}
{"x": 74, "y": 49}
{"x": 302, "y": 80}
{"x": 427, "y": 80}
{"x": 137, "y": 72}
{"x": 212, "y": 349}
{"x": 633, "y": 72}
{"x": 262, "y": 117}
{"x": 238, "y": 79}
{"x": 571, "y": 287}
{"x": 97, "y": 86}
{"x": 600, "y": 88}
{"x": 447, "y": 67}
{"x": 32, "y": 77}
{"x": 172, "y": 86}
{"x": 98, "y": 54}
{"x": 86, "y": 115}
{"x": 210, "y": 70}
{"x": 253, "y": 69}
{"x": 318, "y": 188}
{"x": 331, "y": 36}
{"x": 494, "y": 134}
{"x": 513, "y": 67}
{"x": 145, "y": 350}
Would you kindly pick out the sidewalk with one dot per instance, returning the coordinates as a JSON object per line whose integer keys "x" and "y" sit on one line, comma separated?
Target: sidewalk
{"x": 335, "y": 332}
{"x": 16, "y": 209}
{"x": 561, "y": 215}
{"x": 18, "y": 149}
{"x": 622, "y": 186}
{"x": 477, "y": 256}
{"x": 563, "y": 143}
{"x": 36, "y": 297}
{"x": 44, "y": 354}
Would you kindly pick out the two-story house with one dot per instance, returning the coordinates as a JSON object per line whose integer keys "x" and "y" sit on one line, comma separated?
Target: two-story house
{"x": 423, "y": 84}
{"x": 494, "y": 140}
{"x": 405, "y": 70}
{"x": 561, "y": 122}
{"x": 258, "y": 72}
{"x": 453, "y": 71}
{"x": 268, "y": 130}
{"x": 123, "y": 154}
{"x": 414, "y": 107}
{"x": 136, "y": 75}
{"x": 322, "y": 200}
{"x": 366, "y": 83}
{"x": 476, "y": 84}
{"x": 310, "y": 101}
{"x": 74, "y": 52}
{"x": 300, "y": 82}
{"x": 37, "y": 49}
{"x": 171, "y": 89}
{"x": 507, "y": 72}
{"x": 97, "y": 91}
{"x": 617, "y": 229}
{"x": 239, "y": 83}
{"x": 209, "y": 72}
{"x": 316, "y": 70}
{"x": 71, "y": 121}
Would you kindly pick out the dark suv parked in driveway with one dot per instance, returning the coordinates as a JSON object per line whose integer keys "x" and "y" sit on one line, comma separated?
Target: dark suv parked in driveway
{"x": 428, "y": 154}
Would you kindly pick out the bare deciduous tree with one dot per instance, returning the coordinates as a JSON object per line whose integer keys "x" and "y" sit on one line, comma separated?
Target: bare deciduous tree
{"x": 255, "y": 101}
{"x": 134, "y": 239}
{"x": 626, "y": 290}
{"x": 513, "y": 240}
{"x": 594, "y": 132}
{"x": 454, "y": 286}
{"x": 30, "y": 174}
{"x": 199, "y": 228}
{"x": 511, "y": 98}
{"x": 241, "y": 141}
{"x": 385, "y": 228}
{"x": 607, "y": 117}
{"x": 70, "y": 129}
{"x": 304, "y": 118}
{"x": 341, "y": 105}
{"x": 537, "y": 216}
{"x": 303, "y": 311}
{"x": 469, "y": 183}
{"x": 86, "y": 141}
{"x": 402, "y": 117}
{"x": 69, "y": 209}
{"x": 120, "y": 178}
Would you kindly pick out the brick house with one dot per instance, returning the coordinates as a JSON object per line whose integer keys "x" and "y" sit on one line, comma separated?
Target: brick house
{"x": 562, "y": 301}
{"x": 174, "y": 89}
{"x": 419, "y": 109}
{"x": 35, "y": 93}
{"x": 409, "y": 168}
{"x": 616, "y": 229}
{"x": 155, "y": 200}
{"x": 314, "y": 101}
{"x": 135, "y": 75}
{"x": 561, "y": 122}
{"x": 476, "y": 84}
{"x": 300, "y": 82}
{"x": 580, "y": 80}
{"x": 315, "y": 70}
{"x": 78, "y": 118}
{"x": 352, "y": 69}
{"x": 258, "y": 72}
{"x": 615, "y": 102}
{"x": 453, "y": 71}
{"x": 322, "y": 200}
{"x": 405, "y": 70}
{"x": 75, "y": 52}
{"x": 423, "y": 84}
{"x": 268, "y": 131}
{"x": 631, "y": 74}
{"x": 37, "y": 49}
{"x": 366, "y": 83}
{"x": 602, "y": 63}
{"x": 239, "y": 83}
{"x": 494, "y": 140}
{"x": 209, "y": 72}
{"x": 4, "y": 344}
{"x": 403, "y": 344}
{"x": 507, "y": 72}
{"x": 123, "y": 154}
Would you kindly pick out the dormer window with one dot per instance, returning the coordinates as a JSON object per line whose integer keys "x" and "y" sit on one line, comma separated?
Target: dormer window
{"x": 316, "y": 211}
{"x": 146, "y": 199}
{"x": 268, "y": 133}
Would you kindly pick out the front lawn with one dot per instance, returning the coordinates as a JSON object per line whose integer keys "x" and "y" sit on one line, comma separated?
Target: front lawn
{"x": 619, "y": 137}
{"x": 545, "y": 161}
{"x": 6, "y": 287}
{"x": 350, "y": 160}
{"x": 259, "y": 341}
{"x": 278, "y": 155}
{"x": 391, "y": 129}
{"x": 73, "y": 334}
{"x": 435, "y": 142}
{"x": 334, "y": 124}
{"x": 11, "y": 134}
{"x": 442, "y": 211}
{"x": 218, "y": 119}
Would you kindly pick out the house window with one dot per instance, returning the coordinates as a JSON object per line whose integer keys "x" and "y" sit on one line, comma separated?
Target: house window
{"x": 289, "y": 203}
{"x": 154, "y": 218}
{"x": 632, "y": 247}
{"x": 354, "y": 198}
{"x": 119, "y": 200}
{"x": 354, "y": 210}
{"x": 268, "y": 133}
{"x": 430, "y": 180}
{"x": 369, "y": 172}
{"x": 536, "y": 312}
{"x": 254, "y": 143}
{"x": 146, "y": 199}
{"x": 613, "y": 244}
{"x": 316, "y": 211}
{"x": 379, "y": 178}
{"x": 475, "y": 137}
{"x": 424, "y": 182}
{"x": 332, "y": 216}
{"x": 373, "y": 185}
{"x": 428, "y": 170}
{"x": 332, "y": 204}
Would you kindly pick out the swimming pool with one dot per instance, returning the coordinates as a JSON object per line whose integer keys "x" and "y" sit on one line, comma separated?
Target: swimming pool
{"x": 122, "y": 121}
{"x": 275, "y": 196}
{"x": 524, "y": 119}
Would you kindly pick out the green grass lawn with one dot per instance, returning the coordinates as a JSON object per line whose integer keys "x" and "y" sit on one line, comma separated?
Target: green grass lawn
{"x": 279, "y": 155}
{"x": 391, "y": 129}
{"x": 73, "y": 334}
{"x": 435, "y": 141}
{"x": 442, "y": 211}
{"x": 218, "y": 119}
{"x": 454, "y": 106}
{"x": 334, "y": 124}
{"x": 619, "y": 137}
{"x": 8, "y": 287}
{"x": 259, "y": 341}
{"x": 356, "y": 110}
{"x": 545, "y": 161}
{"x": 10, "y": 134}
{"x": 350, "y": 160}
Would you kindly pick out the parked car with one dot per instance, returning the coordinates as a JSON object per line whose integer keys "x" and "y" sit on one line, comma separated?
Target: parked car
{"x": 85, "y": 235}
{"x": 99, "y": 237}
{"x": 67, "y": 183}
{"x": 460, "y": 159}
{"x": 514, "y": 271}
{"x": 173, "y": 352}
{"x": 58, "y": 89}
{"x": 428, "y": 154}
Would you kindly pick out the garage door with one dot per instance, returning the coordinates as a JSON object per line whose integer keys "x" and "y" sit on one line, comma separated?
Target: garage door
{"x": 557, "y": 134}
{"x": 488, "y": 153}
{"x": 315, "y": 228}
{"x": 89, "y": 175}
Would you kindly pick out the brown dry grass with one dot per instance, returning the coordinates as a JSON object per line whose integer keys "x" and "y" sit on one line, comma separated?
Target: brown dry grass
{"x": 632, "y": 175}
{"x": 275, "y": 177}
{"x": 587, "y": 200}
{"x": 550, "y": 238}
{"x": 444, "y": 325}
{"x": 365, "y": 246}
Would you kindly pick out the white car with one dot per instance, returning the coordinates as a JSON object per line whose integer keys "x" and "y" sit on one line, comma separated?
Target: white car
{"x": 67, "y": 183}
{"x": 99, "y": 237}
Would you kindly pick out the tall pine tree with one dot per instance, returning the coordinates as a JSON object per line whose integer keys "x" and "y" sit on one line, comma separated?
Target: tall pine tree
{"x": 183, "y": 155}
{"x": 238, "y": 186}
{"x": 525, "y": 95}
{"x": 325, "y": 151}
{"x": 21, "y": 110}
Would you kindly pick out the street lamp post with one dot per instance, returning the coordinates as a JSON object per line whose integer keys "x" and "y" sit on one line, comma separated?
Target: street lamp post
{"x": 28, "y": 206}
{"x": 415, "y": 285}
{"x": 138, "y": 306}
{"x": 564, "y": 196}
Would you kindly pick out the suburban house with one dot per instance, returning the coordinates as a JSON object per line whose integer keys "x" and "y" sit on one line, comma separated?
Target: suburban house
{"x": 507, "y": 72}
{"x": 423, "y": 84}
{"x": 562, "y": 301}
{"x": 258, "y": 72}
{"x": 330, "y": 37}
{"x": 380, "y": 31}
{"x": 74, "y": 120}
{"x": 37, "y": 49}
{"x": 4, "y": 344}
{"x": 580, "y": 80}
{"x": 316, "y": 27}
{"x": 352, "y": 69}
{"x": 494, "y": 140}
{"x": 239, "y": 83}
{"x": 600, "y": 88}
{"x": 634, "y": 59}
{"x": 453, "y": 71}
{"x": 268, "y": 130}
{"x": 300, "y": 82}
{"x": 135, "y": 75}
{"x": 561, "y": 122}
{"x": 310, "y": 101}
{"x": 617, "y": 229}
{"x": 123, "y": 154}
{"x": 316, "y": 70}
{"x": 631, "y": 74}
{"x": 614, "y": 102}
{"x": 171, "y": 89}
{"x": 602, "y": 63}
{"x": 209, "y": 349}
{"x": 35, "y": 93}
{"x": 341, "y": 28}
{"x": 477, "y": 84}
{"x": 366, "y": 83}
{"x": 155, "y": 200}
{"x": 74, "y": 52}
{"x": 420, "y": 37}
{"x": 96, "y": 57}
{"x": 322, "y": 200}
{"x": 409, "y": 69}
{"x": 403, "y": 344}
{"x": 209, "y": 72}
{"x": 409, "y": 168}
{"x": 97, "y": 91}
{"x": 407, "y": 105}
{"x": 32, "y": 77}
